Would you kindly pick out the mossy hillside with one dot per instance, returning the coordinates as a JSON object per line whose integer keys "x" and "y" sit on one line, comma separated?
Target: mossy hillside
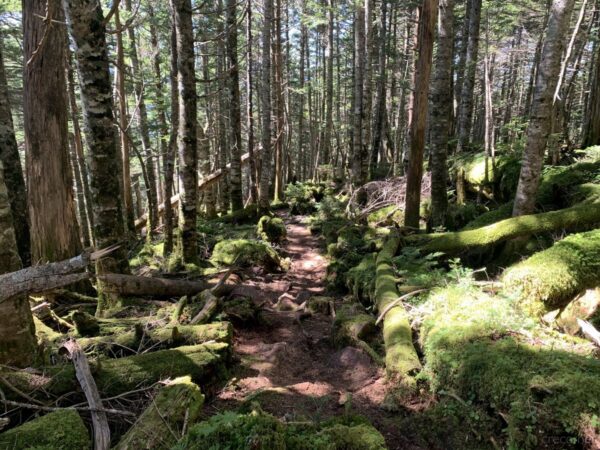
{"x": 245, "y": 253}
{"x": 551, "y": 278}
{"x": 483, "y": 350}
{"x": 63, "y": 430}
{"x": 261, "y": 431}
{"x": 271, "y": 229}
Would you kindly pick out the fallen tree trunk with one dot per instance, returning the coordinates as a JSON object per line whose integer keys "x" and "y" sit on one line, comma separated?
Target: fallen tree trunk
{"x": 400, "y": 355}
{"x": 575, "y": 218}
{"x": 131, "y": 285}
{"x": 49, "y": 276}
{"x": 160, "y": 426}
{"x": 61, "y": 429}
{"x": 160, "y": 337}
{"x": 550, "y": 279}
{"x": 205, "y": 363}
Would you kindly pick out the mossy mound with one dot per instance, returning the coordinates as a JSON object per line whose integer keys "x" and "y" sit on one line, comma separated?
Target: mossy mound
{"x": 387, "y": 216}
{"x": 303, "y": 197}
{"x": 352, "y": 324}
{"x": 551, "y": 278}
{"x": 490, "y": 217}
{"x": 245, "y": 253}
{"x": 481, "y": 350}
{"x": 360, "y": 279}
{"x": 63, "y": 430}
{"x": 271, "y": 229}
{"x": 261, "y": 431}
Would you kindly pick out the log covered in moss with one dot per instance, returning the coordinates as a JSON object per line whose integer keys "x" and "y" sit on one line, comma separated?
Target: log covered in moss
{"x": 575, "y": 218}
{"x": 177, "y": 405}
{"x": 245, "y": 252}
{"x": 62, "y": 429}
{"x": 551, "y": 278}
{"x": 205, "y": 363}
{"x": 400, "y": 354}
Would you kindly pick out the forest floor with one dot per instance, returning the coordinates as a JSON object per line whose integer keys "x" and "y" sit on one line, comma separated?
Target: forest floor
{"x": 289, "y": 363}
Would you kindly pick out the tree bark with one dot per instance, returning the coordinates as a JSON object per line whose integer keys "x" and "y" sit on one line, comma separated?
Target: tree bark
{"x": 15, "y": 183}
{"x": 359, "y": 177}
{"x": 279, "y": 105}
{"x": 265, "y": 96}
{"x": 380, "y": 110}
{"x": 54, "y": 230}
{"x": 17, "y": 332}
{"x": 591, "y": 130}
{"x": 542, "y": 107}
{"x": 187, "y": 141}
{"x": 235, "y": 118}
{"x": 249, "y": 104}
{"x": 87, "y": 29}
{"x": 420, "y": 107}
{"x": 441, "y": 113}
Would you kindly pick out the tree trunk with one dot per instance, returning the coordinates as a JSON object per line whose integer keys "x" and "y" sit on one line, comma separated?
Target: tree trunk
{"x": 377, "y": 144}
{"x": 15, "y": 183}
{"x": 142, "y": 114}
{"x": 87, "y": 30}
{"x": 441, "y": 113}
{"x": 265, "y": 96}
{"x": 358, "y": 156}
{"x": 327, "y": 141}
{"x": 420, "y": 106}
{"x": 591, "y": 130}
{"x": 188, "y": 156}
{"x": 542, "y": 106}
{"x": 249, "y": 107}
{"x": 465, "y": 111}
{"x": 17, "y": 332}
{"x": 279, "y": 106}
{"x": 235, "y": 118}
{"x": 54, "y": 231}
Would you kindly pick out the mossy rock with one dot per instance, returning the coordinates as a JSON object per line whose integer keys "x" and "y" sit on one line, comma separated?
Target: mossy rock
{"x": 245, "y": 253}
{"x": 319, "y": 304}
{"x": 242, "y": 312}
{"x": 352, "y": 324}
{"x": 551, "y": 278}
{"x": 271, "y": 229}
{"x": 63, "y": 430}
{"x": 261, "y": 431}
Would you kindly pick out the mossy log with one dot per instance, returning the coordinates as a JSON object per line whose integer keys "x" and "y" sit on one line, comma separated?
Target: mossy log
{"x": 575, "y": 218}
{"x": 166, "y": 337}
{"x": 551, "y": 278}
{"x": 177, "y": 404}
{"x": 131, "y": 285}
{"x": 400, "y": 355}
{"x": 205, "y": 363}
{"x": 63, "y": 430}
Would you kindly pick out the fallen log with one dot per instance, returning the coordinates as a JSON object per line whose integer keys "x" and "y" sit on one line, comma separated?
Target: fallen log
{"x": 49, "y": 276}
{"x": 165, "y": 420}
{"x": 205, "y": 363}
{"x": 578, "y": 217}
{"x": 160, "y": 337}
{"x": 131, "y": 285}
{"x": 61, "y": 429}
{"x": 400, "y": 355}
{"x": 88, "y": 386}
{"x": 211, "y": 303}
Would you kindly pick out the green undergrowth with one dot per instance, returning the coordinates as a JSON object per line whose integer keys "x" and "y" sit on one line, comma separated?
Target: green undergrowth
{"x": 387, "y": 216}
{"x": 246, "y": 253}
{"x": 483, "y": 351}
{"x": 271, "y": 229}
{"x": 303, "y": 197}
{"x": 261, "y": 431}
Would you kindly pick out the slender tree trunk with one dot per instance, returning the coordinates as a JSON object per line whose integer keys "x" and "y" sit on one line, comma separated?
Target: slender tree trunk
{"x": 171, "y": 150}
{"x": 142, "y": 115}
{"x": 249, "y": 105}
{"x": 279, "y": 106}
{"x": 358, "y": 156}
{"x": 542, "y": 106}
{"x": 302, "y": 97}
{"x": 54, "y": 230}
{"x": 17, "y": 332}
{"x": 465, "y": 111}
{"x": 82, "y": 215}
{"x": 265, "y": 95}
{"x": 235, "y": 118}
{"x": 591, "y": 129}
{"x": 368, "y": 88}
{"x": 15, "y": 183}
{"x": 123, "y": 124}
{"x": 86, "y": 25}
{"x": 380, "y": 111}
{"x": 441, "y": 113}
{"x": 187, "y": 135}
{"x": 327, "y": 140}
{"x": 420, "y": 107}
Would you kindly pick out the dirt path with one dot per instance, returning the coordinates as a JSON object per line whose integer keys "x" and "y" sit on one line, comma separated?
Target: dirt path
{"x": 289, "y": 363}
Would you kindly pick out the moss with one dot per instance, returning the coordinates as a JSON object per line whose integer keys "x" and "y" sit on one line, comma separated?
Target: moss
{"x": 459, "y": 215}
{"x": 352, "y": 324}
{"x": 177, "y": 404}
{"x": 577, "y": 217}
{"x": 319, "y": 304}
{"x": 400, "y": 355}
{"x": 360, "y": 280}
{"x": 551, "y": 278}
{"x": 559, "y": 182}
{"x": 85, "y": 324}
{"x": 303, "y": 197}
{"x": 242, "y": 312}
{"x": 245, "y": 252}
{"x": 271, "y": 229}
{"x": 260, "y": 431}
{"x": 386, "y": 216}
{"x": 57, "y": 430}
{"x": 477, "y": 350}
{"x": 504, "y": 211}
